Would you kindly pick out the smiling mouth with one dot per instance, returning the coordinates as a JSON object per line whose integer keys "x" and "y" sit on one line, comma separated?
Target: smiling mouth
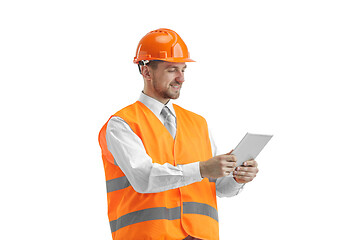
{"x": 176, "y": 86}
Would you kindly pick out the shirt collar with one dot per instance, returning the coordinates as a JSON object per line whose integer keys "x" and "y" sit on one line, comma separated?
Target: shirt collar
{"x": 154, "y": 105}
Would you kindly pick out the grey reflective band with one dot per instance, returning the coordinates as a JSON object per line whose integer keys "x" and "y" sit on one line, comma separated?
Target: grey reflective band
{"x": 200, "y": 208}
{"x": 163, "y": 213}
{"x": 117, "y": 184}
{"x": 145, "y": 215}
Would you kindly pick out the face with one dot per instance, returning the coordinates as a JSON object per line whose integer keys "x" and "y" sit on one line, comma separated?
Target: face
{"x": 164, "y": 82}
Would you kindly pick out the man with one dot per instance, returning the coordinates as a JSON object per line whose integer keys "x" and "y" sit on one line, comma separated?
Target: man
{"x": 160, "y": 162}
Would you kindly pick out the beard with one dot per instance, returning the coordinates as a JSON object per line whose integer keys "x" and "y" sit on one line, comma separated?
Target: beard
{"x": 167, "y": 92}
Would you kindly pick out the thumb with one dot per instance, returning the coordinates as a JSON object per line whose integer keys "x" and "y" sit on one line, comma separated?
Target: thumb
{"x": 230, "y": 152}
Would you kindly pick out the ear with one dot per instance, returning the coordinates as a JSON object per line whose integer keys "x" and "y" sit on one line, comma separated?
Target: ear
{"x": 146, "y": 72}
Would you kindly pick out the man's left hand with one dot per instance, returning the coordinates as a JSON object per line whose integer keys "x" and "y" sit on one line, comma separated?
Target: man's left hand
{"x": 247, "y": 172}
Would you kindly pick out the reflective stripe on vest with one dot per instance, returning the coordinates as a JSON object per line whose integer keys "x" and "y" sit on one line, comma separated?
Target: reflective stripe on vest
{"x": 122, "y": 182}
{"x": 200, "y": 208}
{"x": 164, "y": 214}
{"x": 117, "y": 184}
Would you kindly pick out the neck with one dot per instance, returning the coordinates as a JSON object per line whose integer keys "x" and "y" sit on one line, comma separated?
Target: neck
{"x": 158, "y": 98}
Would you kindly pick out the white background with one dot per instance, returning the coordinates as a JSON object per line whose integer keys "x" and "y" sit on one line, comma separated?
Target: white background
{"x": 288, "y": 68}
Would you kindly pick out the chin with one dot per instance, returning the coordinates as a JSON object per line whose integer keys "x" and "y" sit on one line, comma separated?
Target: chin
{"x": 175, "y": 96}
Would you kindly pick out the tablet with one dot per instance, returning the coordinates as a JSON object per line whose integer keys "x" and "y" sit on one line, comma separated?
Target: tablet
{"x": 250, "y": 147}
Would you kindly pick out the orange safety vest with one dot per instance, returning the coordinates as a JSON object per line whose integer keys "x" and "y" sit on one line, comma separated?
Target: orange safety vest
{"x": 172, "y": 214}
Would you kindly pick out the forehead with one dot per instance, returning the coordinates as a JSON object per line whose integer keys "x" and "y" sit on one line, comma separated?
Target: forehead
{"x": 173, "y": 65}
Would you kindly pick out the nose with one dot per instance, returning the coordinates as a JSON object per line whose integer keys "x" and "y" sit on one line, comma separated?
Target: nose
{"x": 180, "y": 77}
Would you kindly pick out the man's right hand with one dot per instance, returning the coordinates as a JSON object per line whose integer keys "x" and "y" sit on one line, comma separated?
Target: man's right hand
{"x": 219, "y": 166}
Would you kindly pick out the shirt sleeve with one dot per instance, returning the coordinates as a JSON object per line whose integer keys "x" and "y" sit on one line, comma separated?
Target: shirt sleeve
{"x": 144, "y": 175}
{"x": 225, "y": 186}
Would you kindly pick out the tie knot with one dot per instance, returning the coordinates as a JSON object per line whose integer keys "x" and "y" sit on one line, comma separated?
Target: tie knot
{"x": 166, "y": 112}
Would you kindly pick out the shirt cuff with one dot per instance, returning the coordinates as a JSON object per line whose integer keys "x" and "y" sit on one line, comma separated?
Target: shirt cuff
{"x": 192, "y": 170}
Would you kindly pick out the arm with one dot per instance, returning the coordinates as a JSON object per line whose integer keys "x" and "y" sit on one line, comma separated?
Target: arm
{"x": 144, "y": 175}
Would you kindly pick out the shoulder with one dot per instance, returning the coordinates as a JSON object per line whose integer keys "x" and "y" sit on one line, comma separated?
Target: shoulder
{"x": 128, "y": 108}
{"x": 186, "y": 113}
{"x": 119, "y": 120}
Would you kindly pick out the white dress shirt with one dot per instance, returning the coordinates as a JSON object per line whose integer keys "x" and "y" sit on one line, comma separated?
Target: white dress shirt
{"x": 148, "y": 177}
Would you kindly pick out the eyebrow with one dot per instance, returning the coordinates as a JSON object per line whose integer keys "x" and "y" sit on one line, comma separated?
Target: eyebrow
{"x": 173, "y": 66}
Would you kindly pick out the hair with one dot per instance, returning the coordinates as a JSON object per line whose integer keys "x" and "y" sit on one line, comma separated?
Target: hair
{"x": 152, "y": 64}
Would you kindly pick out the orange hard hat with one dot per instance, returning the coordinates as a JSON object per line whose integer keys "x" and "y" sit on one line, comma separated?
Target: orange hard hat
{"x": 162, "y": 44}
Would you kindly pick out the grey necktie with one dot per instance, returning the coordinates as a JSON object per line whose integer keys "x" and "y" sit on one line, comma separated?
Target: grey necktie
{"x": 169, "y": 121}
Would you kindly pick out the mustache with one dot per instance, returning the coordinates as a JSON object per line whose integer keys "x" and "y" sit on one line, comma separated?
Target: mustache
{"x": 176, "y": 83}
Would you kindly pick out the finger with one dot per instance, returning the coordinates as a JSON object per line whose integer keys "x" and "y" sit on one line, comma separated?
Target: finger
{"x": 230, "y": 158}
{"x": 230, "y": 152}
{"x": 250, "y": 163}
{"x": 229, "y": 168}
{"x": 231, "y": 165}
{"x": 243, "y": 173}
{"x": 245, "y": 178}
{"x": 249, "y": 169}
{"x": 239, "y": 174}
